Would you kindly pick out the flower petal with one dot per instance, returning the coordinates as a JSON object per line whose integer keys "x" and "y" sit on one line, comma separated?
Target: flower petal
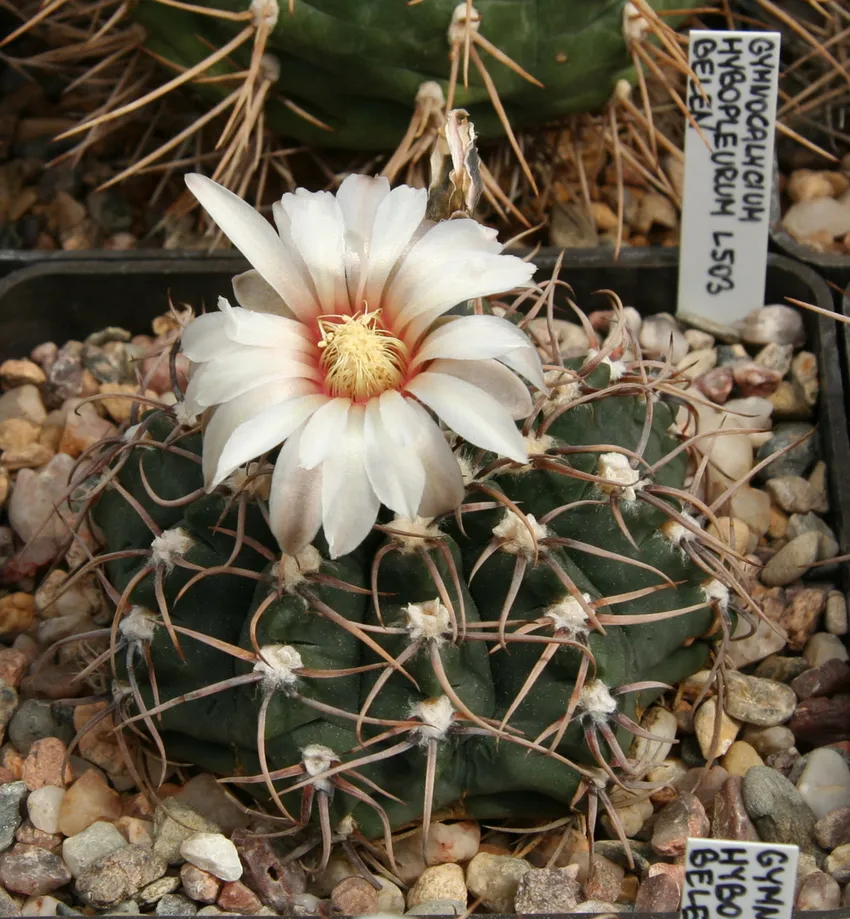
{"x": 257, "y": 295}
{"x": 454, "y": 261}
{"x": 316, "y": 228}
{"x": 526, "y": 362}
{"x": 444, "y": 488}
{"x": 471, "y": 338}
{"x": 228, "y": 417}
{"x": 295, "y": 503}
{"x": 265, "y": 430}
{"x": 470, "y": 412}
{"x": 323, "y": 431}
{"x": 396, "y": 474}
{"x": 494, "y": 379}
{"x": 397, "y": 219}
{"x": 398, "y": 417}
{"x": 349, "y": 504}
{"x": 256, "y": 239}
{"x": 206, "y": 337}
{"x": 241, "y": 369}
{"x": 359, "y": 197}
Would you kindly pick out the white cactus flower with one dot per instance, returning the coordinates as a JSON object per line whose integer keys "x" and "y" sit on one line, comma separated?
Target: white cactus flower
{"x": 340, "y": 351}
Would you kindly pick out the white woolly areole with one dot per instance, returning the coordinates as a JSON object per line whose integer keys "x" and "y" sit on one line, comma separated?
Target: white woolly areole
{"x": 130, "y": 434}
{"x": 514, "y": 531}
{"x": 459, "y": 23}
{"x": 318, "y": 759}
{"x": 270, "y": 68}
{"x": 537, "y": 446}
{"x": 676, "y": 533}
{"x": 246, "y": 479}
{"x": 616, "y": 368}
{"x": 716, "y": 592}
{"x": 414, "y": 530}
{"x": 171, "y": 545}
{"x": 468, "y": 470}
{"x": 278, "y": 665}
{"x": 346, "y": 826}
{"x": 293, "y": 569}
{"x": 437, "y": 717}
{"x": 428, "y": 621}
{"x": 121, "y": 690}
{"x": 596, "y": 700}
{"x": 184, "y": 415}
{"x": 616, "y": 469}
{"x": 569, "y": 615}
{"x": 635, "y": 25}
{"x": 138, "y": 625}
{"x": 264, "y": 13}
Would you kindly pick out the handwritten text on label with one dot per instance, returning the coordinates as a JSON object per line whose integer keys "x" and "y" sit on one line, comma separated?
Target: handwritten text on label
{"x": 738, "y": 880}
{"x": 728, "y": 172}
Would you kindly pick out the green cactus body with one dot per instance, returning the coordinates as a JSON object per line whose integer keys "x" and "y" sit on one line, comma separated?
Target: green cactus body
{"x": 395, "y": 656}
{"x": 357, "y": 67}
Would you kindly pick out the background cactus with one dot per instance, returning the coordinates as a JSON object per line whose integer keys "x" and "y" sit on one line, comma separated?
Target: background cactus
{"x": 493, "y": 663}
{"x": 357, "y": 67}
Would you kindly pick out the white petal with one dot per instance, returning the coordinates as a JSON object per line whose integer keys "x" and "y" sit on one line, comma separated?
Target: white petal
{"x": 317, "y": 230}
{"x": 397, "y": 219}
{"x": 206, "y": 337}
{"x": 444, "y": 489}
{"x": 398, "y": 418}
{"x": 471, "y": 338}
{"x": 526, "y": 361}
{"x": 229, "y": 416}
{"x": 262, "y": 330}
{"x": 396, "y": 474}
{"x": 257, "y": 295}
{"x": 256, "y": 239}
{"x": 470, "y": 412}
{"x": 349, "y": 505}
{"x": 213, "y": 335}
{"x": 295, "y": 503}
{"x": 266, "y": 430}
{"x": 323, "y": 431}
{"x": 496, "y": 381}
{"x": 359, "y": 198}
{"x": 454, "y": 261}
{"x": 241, "y": 369}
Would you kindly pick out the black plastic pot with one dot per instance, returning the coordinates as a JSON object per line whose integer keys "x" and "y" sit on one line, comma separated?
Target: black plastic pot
{"x": 58, "y": 299}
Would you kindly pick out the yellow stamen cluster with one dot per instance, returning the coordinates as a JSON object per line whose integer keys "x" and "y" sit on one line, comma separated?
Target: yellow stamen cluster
{"x": 360, "y": 358}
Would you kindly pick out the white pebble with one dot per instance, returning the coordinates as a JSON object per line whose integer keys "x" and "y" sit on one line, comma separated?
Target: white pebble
{"x": 43, "y": 806}
{"x": 836, "y": 613}
{"x": 825, "y": 782}
{"x": 214, "y": 853}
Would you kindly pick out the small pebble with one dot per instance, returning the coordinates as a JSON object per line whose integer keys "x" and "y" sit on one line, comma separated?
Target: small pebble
{"x": 704, "y": 724}
{"x": 94, "y": 843}
{"x": 768, "y": 740}
{"x": 199, "y": 885}
{"x": 174, "y": 822}
{"x": 88, "y": 800}
{"x": 792, "y": 561}
{"x": 740, "y": 758}
{"x": 236, "y": 897}
{"x": 548, "y": 890}
{"x": 838, "y": 864}
{"x": 757, "y": 701}
{"x": 682, "y": 818}
{"x": 823, "y": 647}
{"x": 118, "y": 876}
{"x": 153, "y": 893}
{"x": 175, "y": 904}
{"x": 835, "y": 619}
{"x": 440, "y": 882}
{"x": 777, "y": 809}
{"x": 354, "y": 896}
{"x": 833, "y": 829}
{"x": 831, "y": 677}
{"x": 495, "y": 879}
{"x": 729, "y": 818}
{"x": 215, "y": 853}
{"x": 825, "y": 782}
{"x": 658, "y": 894}
{"x": 32, "y": 871}
{"x": 43, "y": 806}
{"x": 818, "y": 892}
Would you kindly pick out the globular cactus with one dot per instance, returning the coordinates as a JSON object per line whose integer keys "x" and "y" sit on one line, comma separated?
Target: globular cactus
{"x": 356, "y": 68}
{"x": 490, "y": 659}
{"x": 492, "y": 662}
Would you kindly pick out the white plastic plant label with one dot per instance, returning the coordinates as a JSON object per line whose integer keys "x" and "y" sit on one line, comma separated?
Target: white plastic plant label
{"x": 725, "y": 879}
{"x": 728, "y": 173}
